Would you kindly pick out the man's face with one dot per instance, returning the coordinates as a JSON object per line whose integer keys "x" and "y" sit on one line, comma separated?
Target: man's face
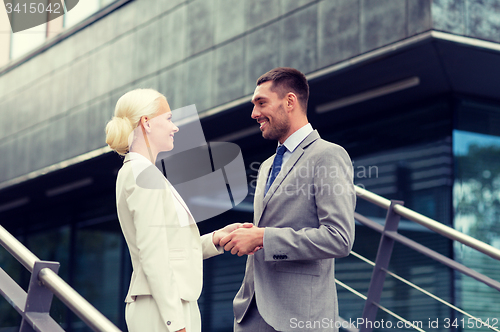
{"x": 270, "y": 112}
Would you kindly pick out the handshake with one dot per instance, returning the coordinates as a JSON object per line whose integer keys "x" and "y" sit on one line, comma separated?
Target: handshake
{"x": 240, "y": 239}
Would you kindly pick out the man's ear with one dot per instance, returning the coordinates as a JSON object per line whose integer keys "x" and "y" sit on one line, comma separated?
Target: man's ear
{"x": 291, "y": 101}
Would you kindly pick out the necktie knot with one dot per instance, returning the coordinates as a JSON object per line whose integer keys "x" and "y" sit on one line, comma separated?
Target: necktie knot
{"x": 281, "y": 150}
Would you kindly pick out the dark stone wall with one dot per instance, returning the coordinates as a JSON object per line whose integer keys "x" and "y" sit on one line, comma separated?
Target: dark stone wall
{"x": 204, "y": 52}
{"x": 471, "y": 18}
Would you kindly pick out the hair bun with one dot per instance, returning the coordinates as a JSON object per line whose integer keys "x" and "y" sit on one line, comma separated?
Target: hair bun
{"x": 118, "y": 130}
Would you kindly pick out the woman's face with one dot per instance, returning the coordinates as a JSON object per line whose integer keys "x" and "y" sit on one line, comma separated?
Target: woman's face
{"x": 162, "y": 128}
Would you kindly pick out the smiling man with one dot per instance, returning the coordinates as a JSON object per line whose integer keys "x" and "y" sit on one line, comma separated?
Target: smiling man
{"x": 303, "y": 216}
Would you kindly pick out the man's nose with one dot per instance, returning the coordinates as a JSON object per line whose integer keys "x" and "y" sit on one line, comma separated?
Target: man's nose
{"x": 255, "y": 113}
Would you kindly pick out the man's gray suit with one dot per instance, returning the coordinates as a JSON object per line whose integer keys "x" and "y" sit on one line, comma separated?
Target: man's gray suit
{"x": 308, "y": 213}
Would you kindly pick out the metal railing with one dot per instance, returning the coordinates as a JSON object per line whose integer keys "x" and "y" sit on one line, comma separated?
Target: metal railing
{"x": 390, "y": 235}
{"x": 429, "y": 223}
{"x": 34, "y": 305}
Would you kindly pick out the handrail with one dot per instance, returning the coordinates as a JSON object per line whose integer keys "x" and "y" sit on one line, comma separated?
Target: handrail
{"x": 440, "y": 258}
{"x": 17, "y": 249}
{"x": 429, "y": 223}
{"x": 393, "y": 314}
{"x": 389, "y": 232}
{"x": 372, "y": 197}
{"x": 378, "y": 305}
{"x": 81, "y": 307}
{"x": 421, "y": 290}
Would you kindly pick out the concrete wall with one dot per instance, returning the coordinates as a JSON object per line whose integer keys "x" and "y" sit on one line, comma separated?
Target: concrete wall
{"x": 205, "y": 52}
{"x": 473, "y": 18}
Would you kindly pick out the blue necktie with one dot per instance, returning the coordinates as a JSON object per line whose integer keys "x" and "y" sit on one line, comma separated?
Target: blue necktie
{"x": 278, "y": 159}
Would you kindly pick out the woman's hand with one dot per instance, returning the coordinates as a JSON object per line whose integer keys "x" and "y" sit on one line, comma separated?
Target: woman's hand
{"x": 219, "y": 234}
{"x": 183, "y": 330}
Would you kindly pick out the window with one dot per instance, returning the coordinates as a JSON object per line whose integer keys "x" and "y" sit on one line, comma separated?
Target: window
{"x": 5, "y": 32}
{"x": 476, "y": 200}
{"x": 81, "y": 11}
{"x": 16, "y": 45}
{"x": 25, "y": 41}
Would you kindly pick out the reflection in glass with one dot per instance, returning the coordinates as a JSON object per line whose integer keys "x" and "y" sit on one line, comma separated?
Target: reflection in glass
{"x": 25, "y": 41}
{"x": 476, "y": 201}
{"x": 419, "y": 175}
{"x": 53, "y": 245}
{"x": 9, "y": 318}
{"x": 97, "y": 271}
{"x": 80, "y": 12}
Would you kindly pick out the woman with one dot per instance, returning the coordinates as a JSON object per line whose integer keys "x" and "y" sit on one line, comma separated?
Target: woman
{"x": 161, "y": 234}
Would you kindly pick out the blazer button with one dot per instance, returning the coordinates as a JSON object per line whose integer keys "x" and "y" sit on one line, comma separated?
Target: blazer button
{"x": 169, "y": 322}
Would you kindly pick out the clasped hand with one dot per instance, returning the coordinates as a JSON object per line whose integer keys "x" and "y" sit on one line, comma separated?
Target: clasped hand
{"x": 240, "y": 239}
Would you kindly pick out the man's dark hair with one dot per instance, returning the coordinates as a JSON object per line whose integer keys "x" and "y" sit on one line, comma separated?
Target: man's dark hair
{"x": 287, "y": 80}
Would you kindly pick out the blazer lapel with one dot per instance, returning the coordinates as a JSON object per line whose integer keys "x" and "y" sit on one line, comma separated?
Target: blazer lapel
{"x": 283, "y": 174}
{"x": 260, "y": 188}
{"x": 179, "y": 198}
{"x": 290, "y": 164}
{"x": 142, "y": 165}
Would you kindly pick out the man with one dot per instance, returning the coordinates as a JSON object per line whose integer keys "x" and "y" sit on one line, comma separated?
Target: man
{"x": 303, "y": 217}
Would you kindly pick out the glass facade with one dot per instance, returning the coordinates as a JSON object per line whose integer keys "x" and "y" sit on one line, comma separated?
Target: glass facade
{"x": 18, "y": 44}
{"x": 99, "y": 250}
{"x": 10, "y": 319}
{"x": 24, "y": 41}
{"x": 82, "y": 10}
{"x": 403, "y": 155}
{"x": 476, "y": 203}
{"x": 54, "y": 245}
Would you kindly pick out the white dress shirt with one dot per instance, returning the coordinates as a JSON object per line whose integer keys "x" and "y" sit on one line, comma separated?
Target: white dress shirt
{"x": 291, "y": 144}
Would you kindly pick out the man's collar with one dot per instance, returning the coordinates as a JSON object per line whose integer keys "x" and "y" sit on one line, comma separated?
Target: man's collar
{"x": 297, "y": 137}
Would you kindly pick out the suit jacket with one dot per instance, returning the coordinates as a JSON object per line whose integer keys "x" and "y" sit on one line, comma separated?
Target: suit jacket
{"x": 308, "y": 214}
{"x": 162, "y": 237}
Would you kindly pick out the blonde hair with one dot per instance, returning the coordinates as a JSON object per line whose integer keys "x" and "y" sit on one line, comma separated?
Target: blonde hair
{"x": 128, "y": 112}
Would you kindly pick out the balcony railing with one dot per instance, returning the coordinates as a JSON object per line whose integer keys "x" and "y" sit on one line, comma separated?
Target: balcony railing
{"x": 390, "y": 235}
{"x": 34, "y": 305}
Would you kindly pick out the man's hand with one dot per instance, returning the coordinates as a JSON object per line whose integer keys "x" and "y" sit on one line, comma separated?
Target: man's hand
{"x": 244, "y": 240}
{"x": 219, "y": 234}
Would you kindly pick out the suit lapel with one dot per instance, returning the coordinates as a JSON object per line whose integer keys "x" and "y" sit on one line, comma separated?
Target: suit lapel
{"x": 139, "y": 167}
{"x": 290, "y": 164}
{"x": 283, "y": 174}
{"x": 179, "y": 198}
{"x": 259, "y": 191}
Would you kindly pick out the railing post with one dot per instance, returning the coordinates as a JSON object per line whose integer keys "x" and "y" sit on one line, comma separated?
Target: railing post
{"x": 381, "y": 264}
{"x": 38, "y": 301}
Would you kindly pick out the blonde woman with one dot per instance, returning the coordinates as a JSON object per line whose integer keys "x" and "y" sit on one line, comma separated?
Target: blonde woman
{"x": 164, "y": 242}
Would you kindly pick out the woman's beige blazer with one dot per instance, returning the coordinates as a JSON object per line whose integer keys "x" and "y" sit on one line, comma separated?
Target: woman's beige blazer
{"x": 162, "y": 237}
